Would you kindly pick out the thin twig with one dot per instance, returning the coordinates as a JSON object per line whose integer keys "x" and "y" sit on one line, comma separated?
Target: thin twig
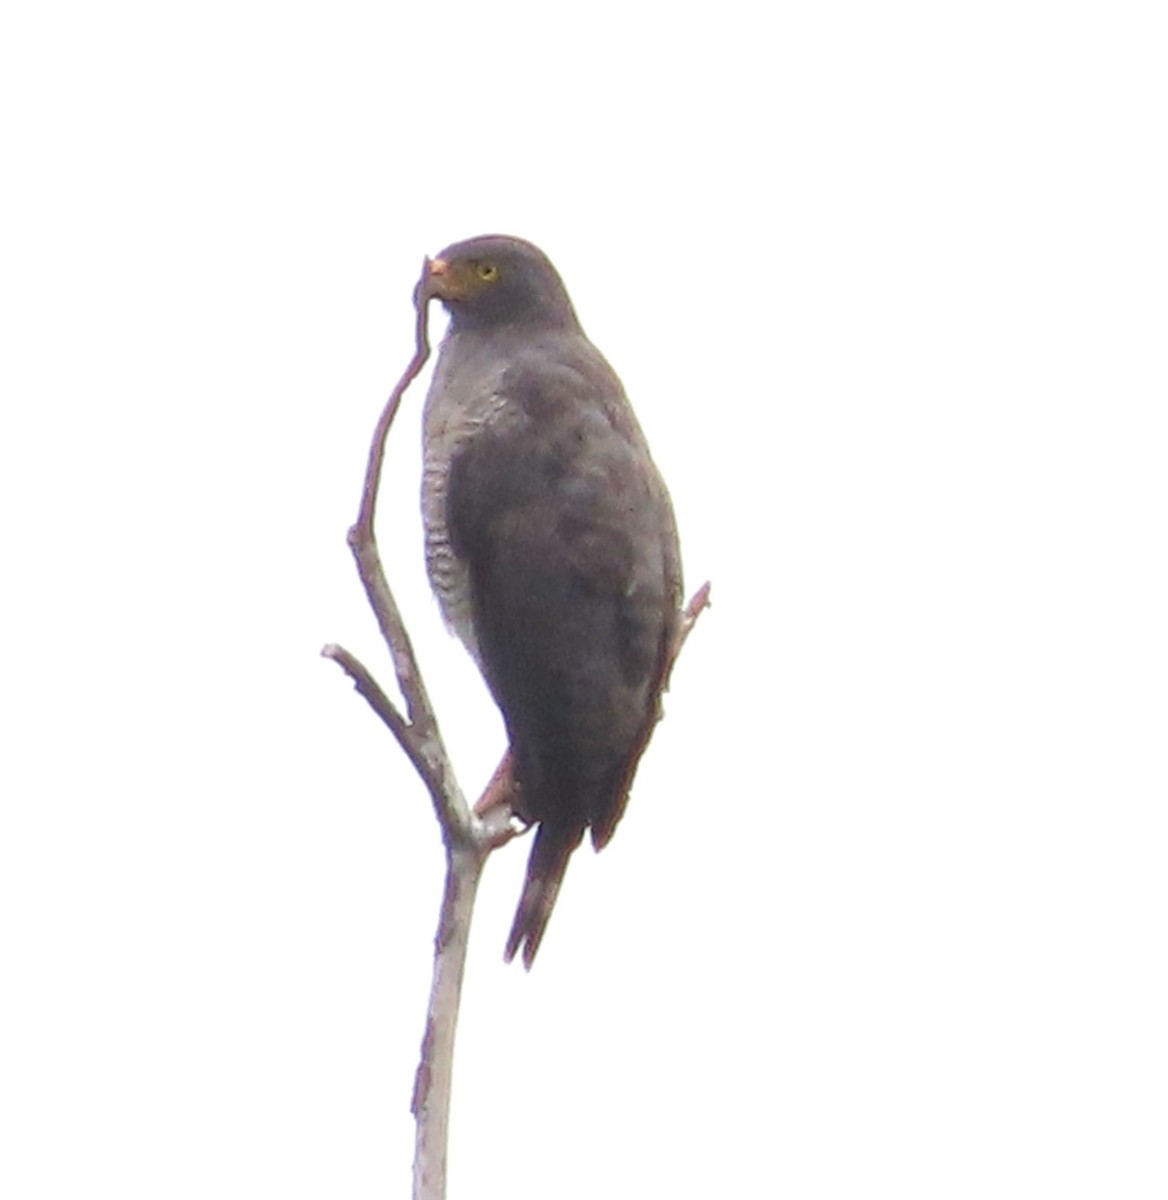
{"x": 698, "y": 603}
{"x": 381, "y": 704}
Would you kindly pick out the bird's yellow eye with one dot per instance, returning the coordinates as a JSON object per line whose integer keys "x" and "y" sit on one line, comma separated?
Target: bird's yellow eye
{"x": 487, "y": 272}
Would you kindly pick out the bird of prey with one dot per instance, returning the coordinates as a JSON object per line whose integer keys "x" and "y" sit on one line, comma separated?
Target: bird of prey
{"x": 551, "y": 546}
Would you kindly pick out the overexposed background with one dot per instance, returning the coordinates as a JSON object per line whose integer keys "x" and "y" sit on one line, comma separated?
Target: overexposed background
{"x": 886, "y": 284}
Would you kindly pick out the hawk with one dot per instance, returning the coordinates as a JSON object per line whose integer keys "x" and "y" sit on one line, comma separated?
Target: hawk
{"x": 551, "y": 546}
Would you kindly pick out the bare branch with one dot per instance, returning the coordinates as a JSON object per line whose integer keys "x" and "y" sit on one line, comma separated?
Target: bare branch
{"x": 381, "y": 704}
{"x": 468, "y": 839}
{"x": 419, "y": 734}
{"x": 432, "y": 1083}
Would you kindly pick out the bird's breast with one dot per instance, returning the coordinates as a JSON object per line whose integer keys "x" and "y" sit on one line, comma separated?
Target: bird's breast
{"x": 464, "y": 397}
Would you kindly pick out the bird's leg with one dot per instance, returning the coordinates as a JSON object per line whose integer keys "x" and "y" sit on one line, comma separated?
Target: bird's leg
{"x": 500, "y": 792}
{"x": 498, "y": 789}
{"x": 499, "y": 808}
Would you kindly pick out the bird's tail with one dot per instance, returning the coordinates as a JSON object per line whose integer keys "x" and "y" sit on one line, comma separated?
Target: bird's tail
{"x": 545, "y": 869}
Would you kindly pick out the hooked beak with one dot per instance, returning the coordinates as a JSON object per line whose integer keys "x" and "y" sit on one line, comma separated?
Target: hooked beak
{"x": 446, "y": 281}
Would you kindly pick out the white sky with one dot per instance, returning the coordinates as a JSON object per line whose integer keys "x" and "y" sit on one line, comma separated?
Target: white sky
{"x": 886, "y": 284}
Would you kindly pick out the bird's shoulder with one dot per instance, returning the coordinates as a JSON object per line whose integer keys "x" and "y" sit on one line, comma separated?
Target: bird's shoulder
{"x": 522, "y": 376}
{"x": 556, "y": 427}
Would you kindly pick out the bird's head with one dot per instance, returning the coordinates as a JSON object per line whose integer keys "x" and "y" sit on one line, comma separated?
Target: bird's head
{"x": 498, "y": 281}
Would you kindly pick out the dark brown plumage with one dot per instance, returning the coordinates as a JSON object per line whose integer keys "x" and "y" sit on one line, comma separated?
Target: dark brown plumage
{"x": 551, "y": 544}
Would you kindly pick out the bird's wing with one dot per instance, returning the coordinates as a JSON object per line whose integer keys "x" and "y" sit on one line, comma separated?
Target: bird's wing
{"x": 567, "y": 532}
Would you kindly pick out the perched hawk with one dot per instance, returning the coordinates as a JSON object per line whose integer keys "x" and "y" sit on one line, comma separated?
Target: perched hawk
{"x": 551, "y": 545}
